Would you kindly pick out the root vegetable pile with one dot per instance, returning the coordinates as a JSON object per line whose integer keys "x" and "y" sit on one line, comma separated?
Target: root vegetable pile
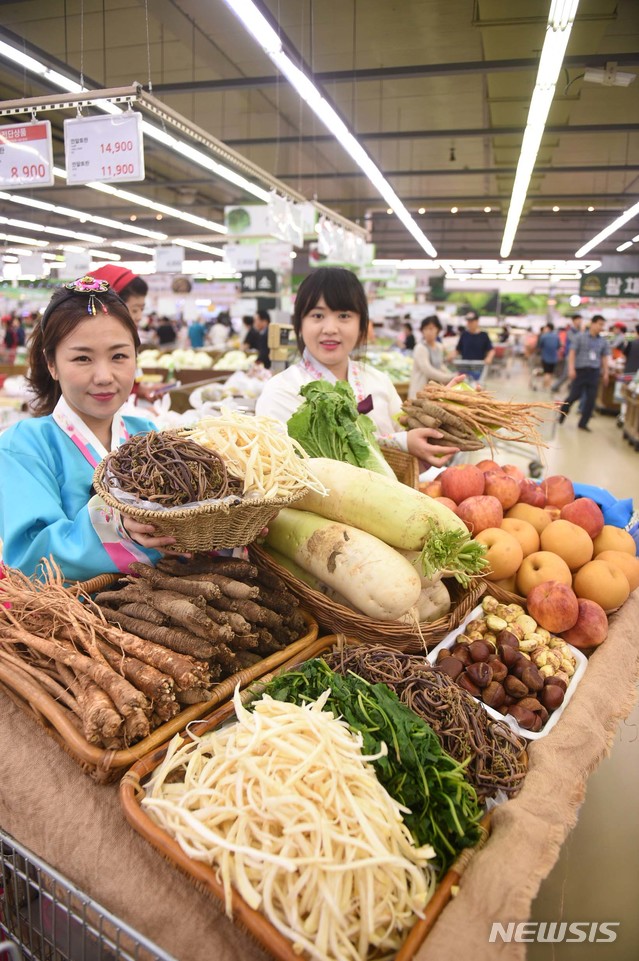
{"x": 164, "y": 468}
{"x": 286, "y": 805}
{"x": 124, "y": 664}
{"x": 469, "y": 419}
{"x": 492, "y": 754}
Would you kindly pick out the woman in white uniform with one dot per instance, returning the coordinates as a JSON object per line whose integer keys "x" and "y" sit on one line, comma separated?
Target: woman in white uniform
{"x": 330, "y": 320}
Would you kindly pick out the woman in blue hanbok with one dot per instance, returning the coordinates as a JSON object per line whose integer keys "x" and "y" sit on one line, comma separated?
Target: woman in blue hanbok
{"x": 82, "y": 367}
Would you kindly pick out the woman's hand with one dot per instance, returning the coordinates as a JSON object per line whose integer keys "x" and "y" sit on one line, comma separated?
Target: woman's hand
{"x": 145, "y": 536}
{"x": 457, "y": 379}
{"x": 419, "y": 446}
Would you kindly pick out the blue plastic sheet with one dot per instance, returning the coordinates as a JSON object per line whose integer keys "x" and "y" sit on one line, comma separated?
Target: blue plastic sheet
{"x": 616, "y": 512}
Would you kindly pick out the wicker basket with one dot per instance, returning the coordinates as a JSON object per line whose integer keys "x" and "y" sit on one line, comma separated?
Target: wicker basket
{"x": 404, "y": 465}
{"x": 503, "y": 596}
{"x": 206, "y": 527}
{"x": 206, "y": 878}
{"x": 335, "y": 618}
{"x": 105, "y": 766}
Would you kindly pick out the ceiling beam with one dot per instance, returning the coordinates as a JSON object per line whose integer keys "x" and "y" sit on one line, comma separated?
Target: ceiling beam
{"x": 401, "y": 72}
{"x": 463, "y": 171}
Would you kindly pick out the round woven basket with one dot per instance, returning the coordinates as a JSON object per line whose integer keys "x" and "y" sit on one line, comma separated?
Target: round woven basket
{"x": 202, "y": 527}
{"x": 337, "y": 619}
{"x": 504, "y": 596}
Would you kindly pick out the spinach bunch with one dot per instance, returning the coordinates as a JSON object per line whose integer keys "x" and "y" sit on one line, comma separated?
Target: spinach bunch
{"x": 416, "y": 771}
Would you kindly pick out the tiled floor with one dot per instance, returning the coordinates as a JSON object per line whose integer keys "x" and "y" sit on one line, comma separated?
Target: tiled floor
{"x": 597, "y": 875}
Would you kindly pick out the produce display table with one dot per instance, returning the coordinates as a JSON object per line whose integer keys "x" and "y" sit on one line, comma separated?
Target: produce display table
{"x": 606, "y": 402}
{"x": 48, "y": 805}
{"x": 631, "y": 421}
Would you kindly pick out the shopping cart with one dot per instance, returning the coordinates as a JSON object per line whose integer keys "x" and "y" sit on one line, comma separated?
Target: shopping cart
{"x": 45, "y": 917}
{"x": 475, "y": 370}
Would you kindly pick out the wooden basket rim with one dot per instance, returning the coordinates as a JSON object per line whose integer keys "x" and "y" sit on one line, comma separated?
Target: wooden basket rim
{"x": 132, "y": 793}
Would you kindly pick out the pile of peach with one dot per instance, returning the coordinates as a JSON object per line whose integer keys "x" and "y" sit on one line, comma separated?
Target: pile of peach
{"x": 545, "y": 545}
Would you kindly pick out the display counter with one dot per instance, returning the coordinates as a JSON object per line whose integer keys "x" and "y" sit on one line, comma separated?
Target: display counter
{"x": 51, "y": 807}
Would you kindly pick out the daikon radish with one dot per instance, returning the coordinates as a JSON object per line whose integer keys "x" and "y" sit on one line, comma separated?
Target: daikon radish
{"x": 398, "y": 515}
{"x": 372, "y": 576}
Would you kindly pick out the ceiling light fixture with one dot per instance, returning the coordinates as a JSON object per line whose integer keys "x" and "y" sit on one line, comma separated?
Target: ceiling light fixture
{"x": 28, "y": 241}
{"x": 610, "y": 229}
{"x": 260, "y": 29}
{"x": 56, "y": 231}
{"x": 422, "y": 210}
{"x": 560, "y": 21}
{"x": 136, "y": 248}
{"x": 487, "y": 210}
{"x": 205, "y": 248}
{"x": 454, "y": 210}
{"x": 555, "y": 209}
{"x": 625, "y": 246}
{"x": 590, "y": 209}
{"x": 609, "y": 77}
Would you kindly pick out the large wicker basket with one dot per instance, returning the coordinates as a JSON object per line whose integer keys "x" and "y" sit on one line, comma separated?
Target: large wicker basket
{"x": 202, "y": 527}
{"x": 404, "y": 465}
{"x": 335, "y": 618}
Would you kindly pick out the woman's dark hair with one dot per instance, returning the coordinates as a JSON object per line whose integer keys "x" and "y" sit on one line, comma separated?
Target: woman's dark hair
{"x": 59, "y": 323}
{"x": 263, "y": 315}
{"x": 247, "y": 320}
{"x": 409, "y": 327}
{"x": 432, "y": 319}
{"x": 136, "y": 288}
{"x": 340, "y": 289}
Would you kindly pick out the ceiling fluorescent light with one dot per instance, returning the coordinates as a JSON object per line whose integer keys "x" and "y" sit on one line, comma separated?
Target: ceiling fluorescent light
{"x": 160, "y": 208}
{"x": 29, "y": 241}
{"x": 560, "y": 20}
{"x": 625, "y": 246}
{"x": 136, "y": 248}
{"x": 193, "y": 245}
{"x": 56, "y": 231}
{"x": 610, "y": 77}
{"x": 610, "y": 229}
{"x": 259, "y": 28}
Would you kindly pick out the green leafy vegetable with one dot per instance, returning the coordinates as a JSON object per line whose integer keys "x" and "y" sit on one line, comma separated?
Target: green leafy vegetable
{"x": 453, "y": 553}
{"x": 328, "y": 424}
{"x": 416, "y": 771}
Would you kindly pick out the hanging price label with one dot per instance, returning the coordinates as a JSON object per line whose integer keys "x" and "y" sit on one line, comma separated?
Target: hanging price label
{"x": 26, "y": 158}
{"x": 106, "y": 149}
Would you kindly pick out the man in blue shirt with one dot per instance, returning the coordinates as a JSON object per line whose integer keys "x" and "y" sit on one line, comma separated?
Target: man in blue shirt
{"x": 587, "y": 360}
{"x": 562, "y": 367}
{"x": 474, "y": 345}
{"x": 549, "y": 345}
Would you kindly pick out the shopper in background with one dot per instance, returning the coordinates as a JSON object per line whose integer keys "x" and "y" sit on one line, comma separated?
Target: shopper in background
{"x": 81, "y": 369}
{"x": 428, "y": 357}
{"x": 409, "y": 336}
{"x": 251, "y": 338}
{"x": 130, "y": 287}
{"x": 474, "y": 345}
{"x": 261, "y": 321}
{"x": 587, "y": 361}
{"x": 572, "y": 330}
{"x": 549, "y": 346}
{"x": 166, "y": 332}
{"x": 197, "y": 333}
{"x": 631, "y": 353}
{"x": 330, "y": 320}
{"x": 14, "y": 336}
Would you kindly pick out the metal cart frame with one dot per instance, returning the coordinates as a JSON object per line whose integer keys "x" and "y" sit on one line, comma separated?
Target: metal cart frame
{"x": 48, "y": 918}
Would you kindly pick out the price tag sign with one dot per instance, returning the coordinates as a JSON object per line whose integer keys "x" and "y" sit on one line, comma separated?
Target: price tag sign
{"x": 107, "y": 149}
{"x": 26, "y": 156}
{"x": 169, "y": 260}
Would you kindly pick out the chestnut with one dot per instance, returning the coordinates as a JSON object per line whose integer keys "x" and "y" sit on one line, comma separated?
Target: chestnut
{"x": 555, "y": 681}
{"x": 551, "y": 697}
{"x": 480, "y": 674}
{"x": 524, "y": 718}
{"x": 461, "y": 652}
{"x": 480, "y": 651}
{"x": 464, "y": 681}
{"x": 507, "y": 637}
{"x": 500, "y": 671}
{"x": 531, "y": 704}
{"x": 515, "y": 687}
{"x": 537, "y": 724}
{"x": 532, "y": 678}
{"x": 451, "y": 666}
{"x": 508, "y": 655}
{"x": 494, "y": 695}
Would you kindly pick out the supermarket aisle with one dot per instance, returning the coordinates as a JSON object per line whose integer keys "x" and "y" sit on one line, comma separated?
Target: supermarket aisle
{"x": 597, "y": 875}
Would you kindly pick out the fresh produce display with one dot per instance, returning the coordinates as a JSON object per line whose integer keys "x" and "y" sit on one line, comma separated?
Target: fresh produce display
{"x": 328, "y": 424}
{"x": 165, "y": 468}
{"x": 120, "y": 673}
{"x": 473, "y": 417}
{"x": 285, "y": 802}
{"x": 234, "y": 360}
{"x": 398, "y": 366}
{"x": 396, "y": 514}
{"x": 492, "y": 755}
{"x": 442, "y": 807}
{"x": 511, "y": 663}
{"x": 178, "y": 359}
{"x": 259, "y": 451}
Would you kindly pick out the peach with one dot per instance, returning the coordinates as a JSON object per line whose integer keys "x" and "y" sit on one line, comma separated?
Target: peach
{"x": 586, "y": 514}
{"x": 462, "y": 481}
{"x": 569, "y": 541}
{"x": 524, "y": 532}
{"x": 514, "y": 472}
{"x": 447, "y": 502}
{"x": 432, "y": 488}
{"x": 554, "y": 513}
{"x": 504, "y": 553}
{"x": 481, "y": 512}
{"x": 536, "y": 516}
{"x": 558, "y": 490}
{"x": 553, "y": 605}
{"x": 507, "y": 584}
{"x": 486, "y": 465}
{"x": 614, "y": 539}
{"x": 591, "y": 628}
{"x": 603, "y": 583}
{"x": 531, "y": 493}
{"x": 501, "y": 486}
{"x": 629, "y": 565}
{"x": 539, "y": 567}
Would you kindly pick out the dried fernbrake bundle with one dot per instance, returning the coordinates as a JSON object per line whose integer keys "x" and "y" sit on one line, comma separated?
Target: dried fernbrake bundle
{"x": 164, "y": 468}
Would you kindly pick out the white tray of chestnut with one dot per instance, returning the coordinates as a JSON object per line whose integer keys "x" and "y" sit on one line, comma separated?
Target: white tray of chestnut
{"x": 520, "y": 672}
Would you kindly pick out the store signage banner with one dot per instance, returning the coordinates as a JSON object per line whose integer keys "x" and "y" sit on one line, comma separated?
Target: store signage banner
{"x": 107, "y": 149}
{"x": 26, "y": 156}
{"x": 169, "y": 260}
{"x": 32, "y": 264}
{"x": 241, "y": 256}
{"x": 75, "y": 264}
{"x": 275, "y": 256}
{"x": 252, "y": 220}
{"x": 259, "y": 282}
{"x": 609, "y": 285}
{"x": 383, "y": 272}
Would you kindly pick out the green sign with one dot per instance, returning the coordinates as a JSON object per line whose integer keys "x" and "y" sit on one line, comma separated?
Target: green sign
{"x": 609, "y": 285}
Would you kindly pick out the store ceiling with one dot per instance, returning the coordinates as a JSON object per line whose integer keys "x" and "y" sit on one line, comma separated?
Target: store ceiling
{"x": 437, "y": 91}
